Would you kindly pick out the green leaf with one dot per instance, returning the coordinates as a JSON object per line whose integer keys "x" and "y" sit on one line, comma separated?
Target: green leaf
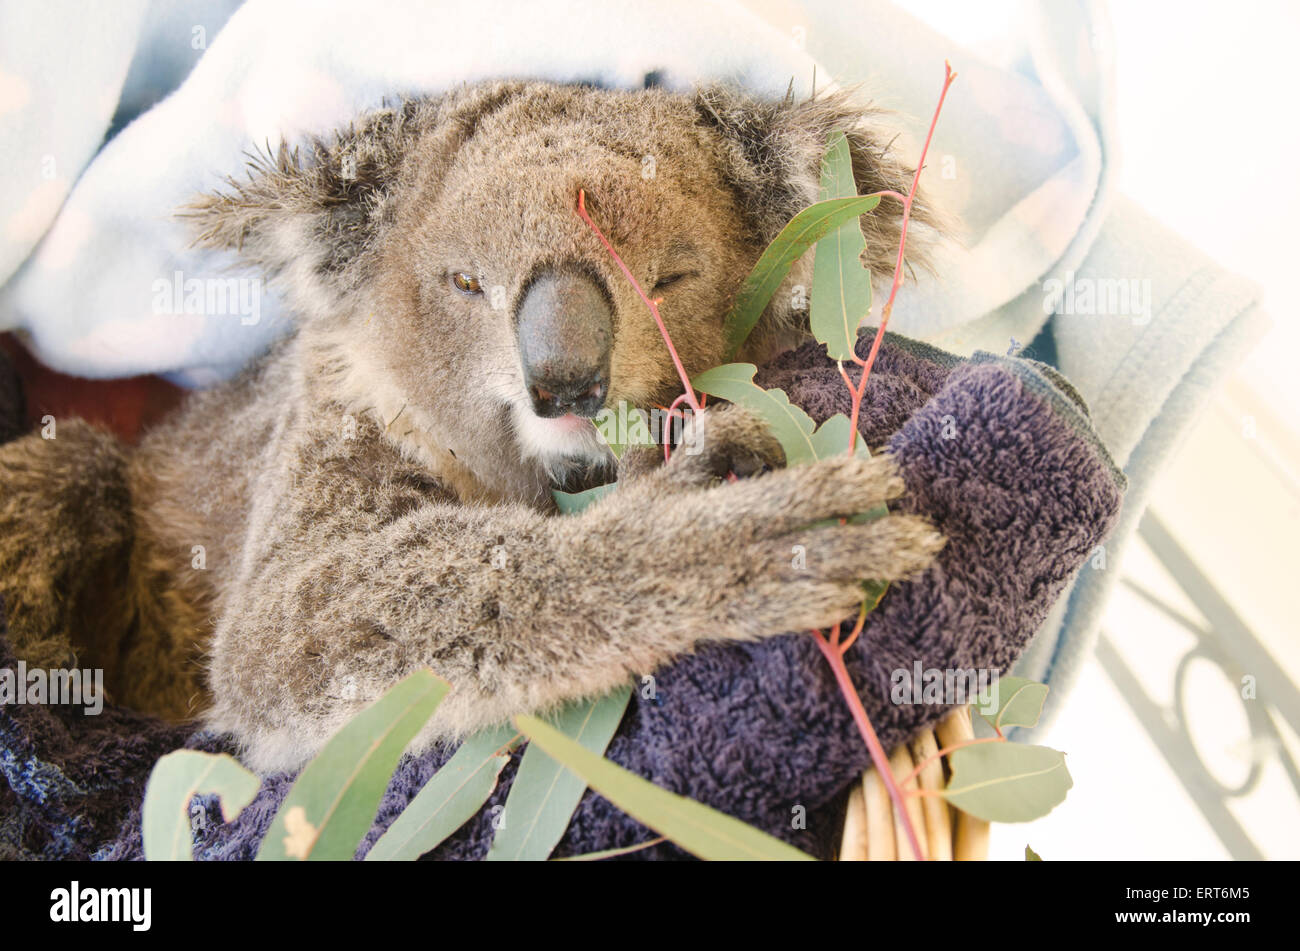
{"x": 623, "y": 426}
{"x": 841, "y": 288}
{"x": 802, "y": 231}
{"x": 570, "y": 502}
{"x": 176, "y": 779}
{"x": 1007, "y": 782}
{"x": 837, "y": 170}
{"x": 875, "y": 591}
{"x": 611, "y": 853}
{"x": 792, "y": 427}
{"x": 832, "y": 439}
{"x": 545, "y": 794}
{"x": 333, "y": 802}
{"x": 702, "y": 831}
{"x": 1031, "y": 855}
{"x": 448, "y": 800}
{"x": 1019, "y": 702}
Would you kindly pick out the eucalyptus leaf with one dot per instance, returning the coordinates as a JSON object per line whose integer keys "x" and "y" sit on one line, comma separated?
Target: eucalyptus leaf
{"x": 622, "y": 426}
{"x": 544, "y": 794}
{"x": 570, "y": 502}
{"x": 802, "y": 231}
{"x": 837, "y": 179}
{"x": 333, "y": 802}
{"x": 175, "y": 780}
{"x": 1007, "y": 782}
{"x": 832, "y": 439}
{"x": 611, "y": 853}
{"x": 792, "y": 427}
{"x": 875, "y": 591}
{"x": 448, "y": 800}
{"x": 841, "y": 287}
{"x": 1031, "y": 855}
{"x": 1019, "y": 703}
{"x": 704, "y": 832}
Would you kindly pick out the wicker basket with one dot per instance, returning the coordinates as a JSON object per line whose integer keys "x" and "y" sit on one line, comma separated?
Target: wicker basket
{"x": 872, "y": 832}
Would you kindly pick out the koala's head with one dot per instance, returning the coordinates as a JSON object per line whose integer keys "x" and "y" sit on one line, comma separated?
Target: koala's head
{"x": 438, "y": 246}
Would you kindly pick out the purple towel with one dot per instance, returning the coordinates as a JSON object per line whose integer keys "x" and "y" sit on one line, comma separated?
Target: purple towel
{"x": 997, "y": 451}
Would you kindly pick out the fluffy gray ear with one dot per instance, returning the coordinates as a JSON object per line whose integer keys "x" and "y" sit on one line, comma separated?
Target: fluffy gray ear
{"x": 311, "y": 213}
{"x": 774, "y": 163}
{"x": 316, "y": 206}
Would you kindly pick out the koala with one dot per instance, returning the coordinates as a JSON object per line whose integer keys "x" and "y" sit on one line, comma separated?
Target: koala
{"x": 374, "y": 495}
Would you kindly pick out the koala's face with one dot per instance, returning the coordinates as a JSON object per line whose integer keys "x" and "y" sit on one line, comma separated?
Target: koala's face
{"x": 441, "y": 245}
{"x": 495, "y": 275}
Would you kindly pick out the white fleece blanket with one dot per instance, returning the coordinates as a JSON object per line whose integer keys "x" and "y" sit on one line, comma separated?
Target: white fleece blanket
{"x": 99, "y": 283}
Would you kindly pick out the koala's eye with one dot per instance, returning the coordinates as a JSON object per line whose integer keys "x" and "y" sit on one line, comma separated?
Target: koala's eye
{"x": 668, "y": 280}
{"x": 466, "y": 283}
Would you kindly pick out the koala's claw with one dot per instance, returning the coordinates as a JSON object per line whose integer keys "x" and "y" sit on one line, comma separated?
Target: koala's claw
{"x": 729, "y": 440}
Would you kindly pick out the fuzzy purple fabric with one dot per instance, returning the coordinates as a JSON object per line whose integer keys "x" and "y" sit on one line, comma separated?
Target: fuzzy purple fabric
{"x": 997, "y": 452}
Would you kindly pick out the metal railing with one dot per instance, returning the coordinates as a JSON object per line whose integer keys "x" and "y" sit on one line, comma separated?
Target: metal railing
{"x": 1227, "y": 642}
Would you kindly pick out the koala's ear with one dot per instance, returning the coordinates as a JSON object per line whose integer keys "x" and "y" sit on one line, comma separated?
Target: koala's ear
{"x": 314, "y": 207}
{"x": 313, "y": 212}
{"x": 773, "y": 162}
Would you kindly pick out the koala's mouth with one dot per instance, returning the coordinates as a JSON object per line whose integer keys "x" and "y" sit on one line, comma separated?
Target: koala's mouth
{"x": 567, "y": 446}
{"x": 567, "y": 424}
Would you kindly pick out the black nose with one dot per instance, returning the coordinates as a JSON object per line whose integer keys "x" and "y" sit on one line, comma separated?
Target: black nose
{"x": 565, "y": 325}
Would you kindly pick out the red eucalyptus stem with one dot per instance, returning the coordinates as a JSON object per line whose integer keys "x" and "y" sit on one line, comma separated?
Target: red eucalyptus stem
{"x": 654, "y": 309}
{"x": 672, "y": 409}
{"x": 829, "y": 644}
{"x": 948, "y": 77}
{"x": 947, "y": 750}
{"x": 857, "y": 628}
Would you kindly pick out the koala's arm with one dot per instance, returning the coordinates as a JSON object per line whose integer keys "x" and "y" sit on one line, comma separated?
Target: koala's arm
{"x": 355, "y": 574}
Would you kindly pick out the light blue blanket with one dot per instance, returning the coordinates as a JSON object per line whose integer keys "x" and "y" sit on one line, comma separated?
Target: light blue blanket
{"x": 101, "y": 290}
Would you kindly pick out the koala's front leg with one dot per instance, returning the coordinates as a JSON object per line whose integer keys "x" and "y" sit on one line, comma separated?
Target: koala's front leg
{"x": 521, "y": 611}
{"x": 759, "y": 555}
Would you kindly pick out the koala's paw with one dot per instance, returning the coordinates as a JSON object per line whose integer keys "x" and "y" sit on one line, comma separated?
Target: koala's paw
{"x": 768, "y": 554}
{"x": 720, "y": 442}
{"x": 790, "y": 562}
{"x": 816, "y": 577}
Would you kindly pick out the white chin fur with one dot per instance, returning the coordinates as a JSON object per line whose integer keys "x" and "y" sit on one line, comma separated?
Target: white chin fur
{"x": 557, "y": 443}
